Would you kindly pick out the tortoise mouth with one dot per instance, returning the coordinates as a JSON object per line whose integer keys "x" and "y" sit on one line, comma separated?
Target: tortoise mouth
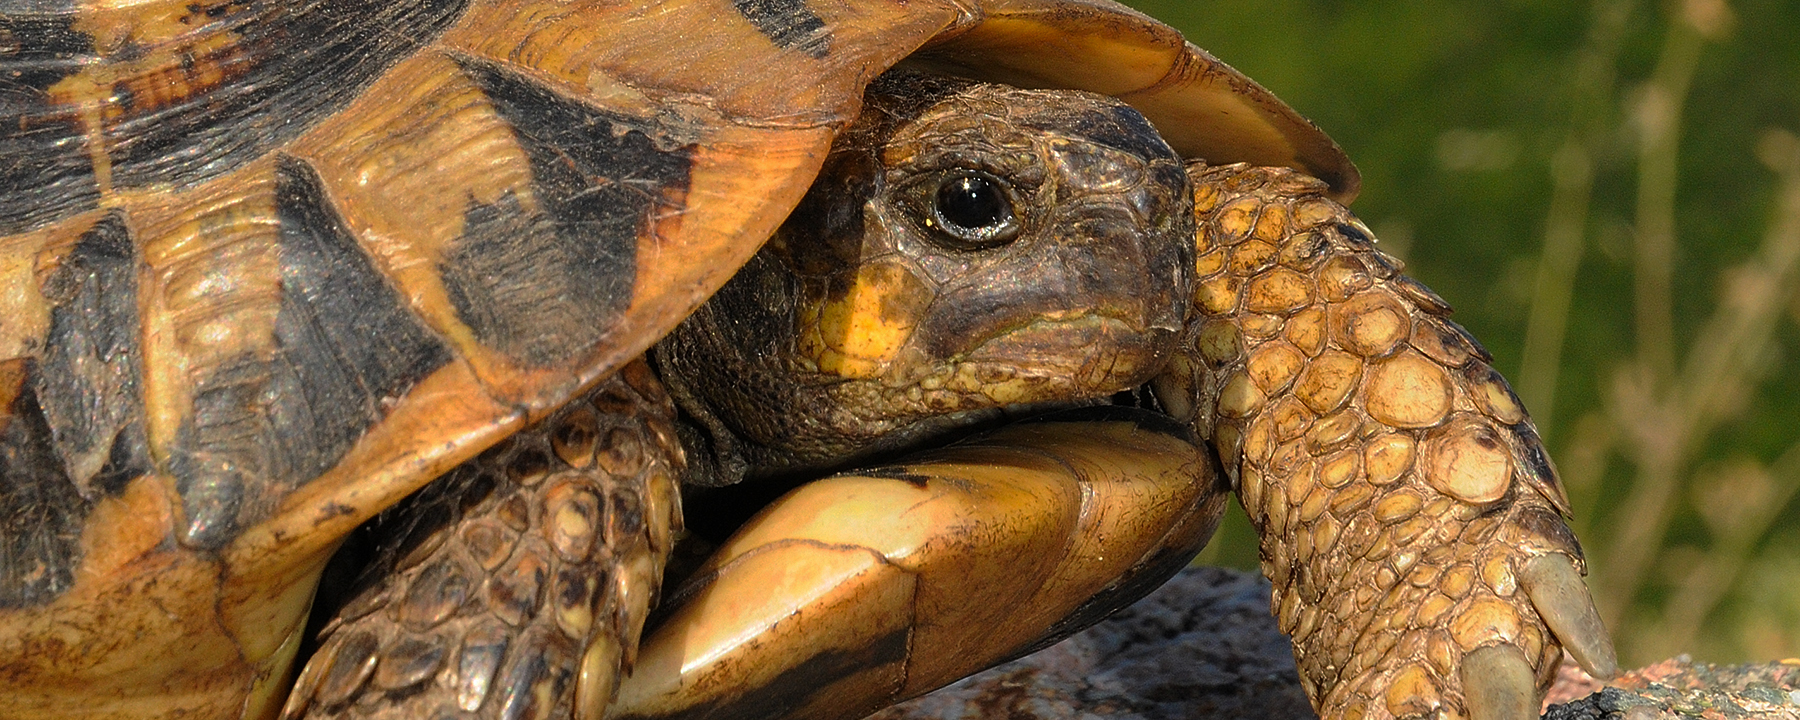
{"x": 1101, "y": 353}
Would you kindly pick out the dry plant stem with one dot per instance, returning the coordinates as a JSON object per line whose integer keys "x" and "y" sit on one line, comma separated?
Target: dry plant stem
{"x": 1702, "y": 589}
{"x": 1659, "y": 124}
{"x": 1661, "y": 440}
{"x": 1583, "y": 461}
{"x": 1766, "y": 287}
{"x": 1564, "y": 229}
{"x": 1721, "y": 368}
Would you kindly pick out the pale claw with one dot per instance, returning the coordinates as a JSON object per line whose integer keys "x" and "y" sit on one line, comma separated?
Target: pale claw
{"x": 1498, "y": 684}
{"x": 1563, "y": 601}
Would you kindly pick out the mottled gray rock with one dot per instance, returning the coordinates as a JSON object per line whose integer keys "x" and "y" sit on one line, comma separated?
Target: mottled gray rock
{"x": 1681, "y": 688}
{"x": 1204, "y": 646}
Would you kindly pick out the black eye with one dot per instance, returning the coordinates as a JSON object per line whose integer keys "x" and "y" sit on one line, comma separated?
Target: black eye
{"x": 974, "y": 209}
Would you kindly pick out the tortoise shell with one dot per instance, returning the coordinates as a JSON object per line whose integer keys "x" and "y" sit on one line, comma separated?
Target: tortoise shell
{"x": 271, "y": 267}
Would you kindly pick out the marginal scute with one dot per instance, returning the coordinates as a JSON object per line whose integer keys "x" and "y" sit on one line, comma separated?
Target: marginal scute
{"x": 295, "y": 382}
{"x": 788, "y": 23}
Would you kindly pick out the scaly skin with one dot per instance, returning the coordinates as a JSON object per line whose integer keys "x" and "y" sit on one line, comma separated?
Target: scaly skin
{"x": 517, "y": 586}
{"x": 1409, "y": 516}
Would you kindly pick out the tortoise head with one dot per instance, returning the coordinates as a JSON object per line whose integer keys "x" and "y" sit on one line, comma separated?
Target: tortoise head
{"x": 968, "y": 248}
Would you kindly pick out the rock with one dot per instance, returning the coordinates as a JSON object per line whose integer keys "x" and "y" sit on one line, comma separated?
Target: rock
{"x": 1201, "y": 646}
{"x": 1681, "y": 688}
{"x": 1205, "y": 646}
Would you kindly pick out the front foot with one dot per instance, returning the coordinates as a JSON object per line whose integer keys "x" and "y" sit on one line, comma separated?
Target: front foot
{"x": 1411, "y": 521}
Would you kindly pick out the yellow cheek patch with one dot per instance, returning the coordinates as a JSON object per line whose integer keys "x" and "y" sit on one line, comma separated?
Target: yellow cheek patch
{"x": 860, "y": 326}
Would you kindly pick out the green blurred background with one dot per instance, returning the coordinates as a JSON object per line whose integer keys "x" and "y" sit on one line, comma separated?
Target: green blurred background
{"x": 1609, "y": 193}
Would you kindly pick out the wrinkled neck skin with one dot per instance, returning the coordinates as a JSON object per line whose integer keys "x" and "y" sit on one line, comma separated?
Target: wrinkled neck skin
{"x": 748, "y": 413}
{"x": 969, "y": 253}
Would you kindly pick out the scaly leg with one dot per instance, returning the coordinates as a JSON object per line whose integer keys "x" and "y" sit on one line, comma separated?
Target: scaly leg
{"x": 516, "y": 586}
{"x": 1411, "y": 521}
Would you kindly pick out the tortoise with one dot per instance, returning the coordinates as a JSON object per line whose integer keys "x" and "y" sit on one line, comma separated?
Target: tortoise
{"x": 271, "y": 269}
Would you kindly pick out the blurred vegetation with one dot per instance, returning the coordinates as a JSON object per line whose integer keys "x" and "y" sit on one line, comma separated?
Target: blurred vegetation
{"x": 1609, "y": 193}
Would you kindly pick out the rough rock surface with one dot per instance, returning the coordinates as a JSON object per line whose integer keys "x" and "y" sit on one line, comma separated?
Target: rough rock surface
{"x": 1204, "y": 646}
{"x": 1681, "y": 688}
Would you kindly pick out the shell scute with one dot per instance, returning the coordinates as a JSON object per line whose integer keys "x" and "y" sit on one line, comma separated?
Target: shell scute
{"x": 135, "y": 97}
{"x": 276, "y": 411}
{"x": 545, "y": 286}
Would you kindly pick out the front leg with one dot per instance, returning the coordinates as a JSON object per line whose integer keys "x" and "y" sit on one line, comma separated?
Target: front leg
{"x": 1411, "y": 521}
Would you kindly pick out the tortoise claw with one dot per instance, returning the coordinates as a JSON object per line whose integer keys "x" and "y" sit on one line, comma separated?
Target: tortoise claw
{"x": 1499, "y": 685}
{"x": 1563, "y": 601}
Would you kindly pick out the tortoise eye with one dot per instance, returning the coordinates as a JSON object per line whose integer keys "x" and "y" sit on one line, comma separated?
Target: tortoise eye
{"x": 974, "y": 209}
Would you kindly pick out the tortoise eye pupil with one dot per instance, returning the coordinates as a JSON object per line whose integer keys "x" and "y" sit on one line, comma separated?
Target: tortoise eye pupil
{"x": 975, "y": 209}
